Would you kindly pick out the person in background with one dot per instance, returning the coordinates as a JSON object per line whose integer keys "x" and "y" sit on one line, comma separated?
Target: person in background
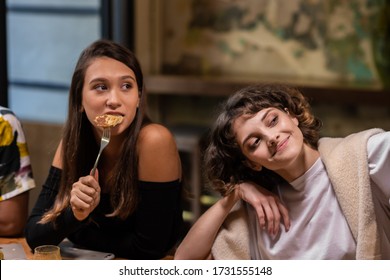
{"x": 131, "y": 207}
{"x": 336, "y": 190}
{"x": 16, "y": 179}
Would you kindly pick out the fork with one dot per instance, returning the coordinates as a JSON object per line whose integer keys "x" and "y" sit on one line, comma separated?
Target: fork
{"x": 103, "y": 143}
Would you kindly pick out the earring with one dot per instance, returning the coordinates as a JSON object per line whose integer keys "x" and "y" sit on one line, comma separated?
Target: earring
{"x": 252, "y": 165}
{"x": 257, "y": 168}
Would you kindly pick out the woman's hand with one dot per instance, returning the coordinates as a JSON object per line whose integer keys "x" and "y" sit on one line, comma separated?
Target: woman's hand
{"x": 85, "y": 196}
{"x": 268, "y": 207}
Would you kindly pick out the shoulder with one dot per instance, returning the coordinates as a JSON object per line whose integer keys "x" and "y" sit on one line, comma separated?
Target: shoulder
{"x": 355, "y": 141}
{"x": 57, "y": 160}
{"x": 378, "y": 145}
{"x": 155, "y": 139}
{"x": 158, "y": 155}
{"x": 380, "y": 138}
{"x": 8, "y": 116}
{"x": 155, "y": 134}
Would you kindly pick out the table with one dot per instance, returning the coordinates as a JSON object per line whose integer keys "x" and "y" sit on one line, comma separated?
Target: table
{"x": 27, "y": 250}
{"x": 19, "y": 240}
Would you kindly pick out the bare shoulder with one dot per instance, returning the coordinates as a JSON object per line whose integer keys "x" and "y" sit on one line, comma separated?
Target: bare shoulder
{"x": 155, "y": 134}
{"x": 57, "y": 160}
{"x": 158, "y": 155}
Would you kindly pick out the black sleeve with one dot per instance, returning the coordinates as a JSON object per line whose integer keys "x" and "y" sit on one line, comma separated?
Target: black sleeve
{"x": 38, "y": 234}
{"x": 157, "y": 225}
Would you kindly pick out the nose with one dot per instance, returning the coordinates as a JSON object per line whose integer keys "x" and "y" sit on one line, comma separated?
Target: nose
{"x": 113, "y": 99}
{"x": 272, "y": 139}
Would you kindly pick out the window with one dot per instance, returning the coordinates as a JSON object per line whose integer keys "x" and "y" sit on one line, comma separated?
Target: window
{"x": 44, "y": 40}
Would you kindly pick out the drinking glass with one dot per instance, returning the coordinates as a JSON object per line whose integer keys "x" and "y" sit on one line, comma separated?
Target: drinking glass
{"x": 47, "y": 252}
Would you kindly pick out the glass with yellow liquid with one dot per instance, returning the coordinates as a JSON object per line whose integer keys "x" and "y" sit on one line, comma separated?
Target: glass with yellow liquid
{"x": 47, "y": 252}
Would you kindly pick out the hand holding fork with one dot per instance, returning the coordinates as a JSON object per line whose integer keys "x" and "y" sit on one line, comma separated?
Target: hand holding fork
{"x": 85, "y": 194}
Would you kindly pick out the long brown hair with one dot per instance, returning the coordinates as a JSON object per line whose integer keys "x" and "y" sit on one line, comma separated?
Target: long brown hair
{"x": 79, "y": 148}
{"x": 223, "y": 157}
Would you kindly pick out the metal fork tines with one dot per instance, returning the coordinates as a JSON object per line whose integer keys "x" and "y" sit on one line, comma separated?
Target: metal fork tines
{"x": 103, "y": 143}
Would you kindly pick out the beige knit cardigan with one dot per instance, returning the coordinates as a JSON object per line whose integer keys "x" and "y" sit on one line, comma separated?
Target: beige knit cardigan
{"x": 345, "y": 160}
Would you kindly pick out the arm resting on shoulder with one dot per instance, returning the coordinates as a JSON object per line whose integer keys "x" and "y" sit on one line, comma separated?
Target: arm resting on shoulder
{"x": 270, "y": 211}
{"x": 200, "y": 238}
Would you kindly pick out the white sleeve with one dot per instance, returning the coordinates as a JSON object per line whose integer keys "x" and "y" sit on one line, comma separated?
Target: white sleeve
{"x": 378, "y": 148}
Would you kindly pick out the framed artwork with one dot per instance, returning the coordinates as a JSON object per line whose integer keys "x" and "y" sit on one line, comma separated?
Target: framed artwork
{"x": 208, "y": 47}
{"x": 326, "y": 40}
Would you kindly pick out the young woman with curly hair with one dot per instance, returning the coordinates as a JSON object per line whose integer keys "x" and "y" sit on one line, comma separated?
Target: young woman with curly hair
{"x": 269, "y": 163}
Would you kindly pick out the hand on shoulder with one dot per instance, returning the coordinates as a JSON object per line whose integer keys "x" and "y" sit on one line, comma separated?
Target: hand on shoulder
{"x": 159, "y": 159}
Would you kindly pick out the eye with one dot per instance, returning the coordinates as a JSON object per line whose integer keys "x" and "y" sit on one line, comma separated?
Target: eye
{"x": 127, "y": 86}
{"x": 273, "y": 120}
{"x": 100, "y": 87}
{"x": 254, "y": 143}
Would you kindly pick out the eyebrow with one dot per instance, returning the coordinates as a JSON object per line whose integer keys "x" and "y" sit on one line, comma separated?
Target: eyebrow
{"x": 99, "y": 79}
{"x": 267, "y": 111}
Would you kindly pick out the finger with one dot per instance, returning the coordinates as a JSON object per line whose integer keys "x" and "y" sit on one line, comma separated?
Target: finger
{"x": 96, "y": 175}
{"x": 84, "y": 191}
{"x": 286, "y": 218}
{"x": 270, "y": 219}
{"x": 269, "y": 216}
{"x": 79, "y": 205}
{"x": 277, "y": 216}
{"x": 261, "y": 216}
{"x": 87, "y": 199}
{"x": 80, "y": 200}
{"x": 91, "y": 183}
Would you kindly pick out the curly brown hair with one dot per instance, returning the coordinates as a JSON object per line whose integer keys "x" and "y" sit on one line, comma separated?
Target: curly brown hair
{"x": 223, "y": 157}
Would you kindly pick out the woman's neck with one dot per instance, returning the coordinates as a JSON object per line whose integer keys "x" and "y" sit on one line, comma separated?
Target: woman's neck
{"x": 303, "y": 163}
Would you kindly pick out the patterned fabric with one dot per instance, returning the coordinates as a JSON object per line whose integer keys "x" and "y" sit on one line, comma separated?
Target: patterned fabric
{"x": 15, "y": 168}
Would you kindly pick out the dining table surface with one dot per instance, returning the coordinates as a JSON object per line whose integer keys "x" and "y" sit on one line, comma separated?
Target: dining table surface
{"x": 28, "y": 253}
{"x": 18, "y": 240}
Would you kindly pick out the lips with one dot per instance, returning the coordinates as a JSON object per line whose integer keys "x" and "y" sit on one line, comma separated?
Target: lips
{"x": 282, "y": 144}
{"x": 114, "y": 114}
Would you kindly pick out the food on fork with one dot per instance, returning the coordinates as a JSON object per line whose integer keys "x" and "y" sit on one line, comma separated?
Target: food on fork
{"x": 108, "y": 120}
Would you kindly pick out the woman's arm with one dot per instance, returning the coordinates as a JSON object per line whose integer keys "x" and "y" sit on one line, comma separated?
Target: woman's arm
{"x": 37, "y": 233}
{"x": 13, "y": 215}
{"x": 49, "y": 233}
{"x": 200, "y": 238}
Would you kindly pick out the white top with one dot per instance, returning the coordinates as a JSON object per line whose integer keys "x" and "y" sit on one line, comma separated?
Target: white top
{"x": 319, "y": 229}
